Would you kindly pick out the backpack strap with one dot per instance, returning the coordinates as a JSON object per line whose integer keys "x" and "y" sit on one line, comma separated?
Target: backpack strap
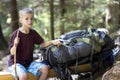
{"x": 59, "y": 72}
{"x": 63, "y": 72}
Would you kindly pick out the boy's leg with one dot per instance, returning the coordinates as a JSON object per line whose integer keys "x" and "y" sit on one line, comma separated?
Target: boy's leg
{"x": 21, "y": 71}
{"x": 44, "y": 71}
{"x": 39, "y": 68}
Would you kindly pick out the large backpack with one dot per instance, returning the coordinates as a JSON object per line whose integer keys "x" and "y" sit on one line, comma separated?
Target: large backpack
{"x": 63, "y": 54}
{"x": 75, "y": 45}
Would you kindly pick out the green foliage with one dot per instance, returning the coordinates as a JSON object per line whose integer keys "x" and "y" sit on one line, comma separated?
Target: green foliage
{"x": 7, "y": 33}
{"x": 41, "y": 24}
{"x": 79, "y": 14}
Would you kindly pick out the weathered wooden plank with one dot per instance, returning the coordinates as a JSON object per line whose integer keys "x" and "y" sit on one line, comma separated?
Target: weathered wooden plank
{"x": 81, "y": 68}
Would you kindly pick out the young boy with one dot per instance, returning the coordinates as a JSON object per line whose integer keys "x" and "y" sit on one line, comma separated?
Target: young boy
{"x": 23, "y": 47}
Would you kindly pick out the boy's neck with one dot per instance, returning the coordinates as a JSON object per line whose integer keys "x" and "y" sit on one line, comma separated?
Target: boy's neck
{"x": 25, "y": 30}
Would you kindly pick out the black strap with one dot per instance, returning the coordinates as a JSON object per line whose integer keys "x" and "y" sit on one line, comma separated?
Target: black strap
{"x": 59, "y": 72}
{"x": 63, "y": 72}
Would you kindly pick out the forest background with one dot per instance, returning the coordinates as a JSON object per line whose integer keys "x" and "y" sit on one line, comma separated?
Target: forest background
{"x": 56, "y": 17}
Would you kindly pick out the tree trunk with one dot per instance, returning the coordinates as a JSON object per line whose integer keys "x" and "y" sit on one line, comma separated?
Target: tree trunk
{"x": 3, "y": 43}
{"x": 14, "y": 14}
{"x": 52, "y": 19}
{"x": 62, "y": 12}
{"x": 114, "y": 13}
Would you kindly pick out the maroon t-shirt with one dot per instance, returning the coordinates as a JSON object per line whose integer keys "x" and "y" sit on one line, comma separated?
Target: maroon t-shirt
{"x": 24, "y": 53}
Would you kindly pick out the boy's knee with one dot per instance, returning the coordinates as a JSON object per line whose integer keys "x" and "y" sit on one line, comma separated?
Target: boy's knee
{"x": 44, "y": 69}
{"x": 23, "y": 76}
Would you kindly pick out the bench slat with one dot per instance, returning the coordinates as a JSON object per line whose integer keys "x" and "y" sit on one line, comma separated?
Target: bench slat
{"x": 81, "y": 68}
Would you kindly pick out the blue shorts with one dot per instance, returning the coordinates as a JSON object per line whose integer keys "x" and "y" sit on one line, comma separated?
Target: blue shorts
{"x": 33, "y": 68}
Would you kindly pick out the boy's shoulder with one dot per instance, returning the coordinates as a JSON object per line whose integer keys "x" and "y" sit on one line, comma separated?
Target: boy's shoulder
{"x": 15, "y": 32}
{"x": 33, "y": 31}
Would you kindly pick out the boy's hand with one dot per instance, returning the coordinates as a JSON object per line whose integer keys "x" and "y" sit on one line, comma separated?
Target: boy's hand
{"x": 56, "y": 42}
{"x": 16, "y": 41}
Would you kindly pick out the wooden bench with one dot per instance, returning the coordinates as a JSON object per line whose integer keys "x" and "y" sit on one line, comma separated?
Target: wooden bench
{"x": 81, "y": 68}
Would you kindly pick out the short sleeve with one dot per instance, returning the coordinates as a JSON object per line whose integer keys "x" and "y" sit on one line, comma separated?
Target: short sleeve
{"x": 37, "y": 38}
{"x": 11, "y": 42}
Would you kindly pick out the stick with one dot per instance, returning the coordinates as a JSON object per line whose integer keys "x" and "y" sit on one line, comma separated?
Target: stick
{"x": 15, "y": 59}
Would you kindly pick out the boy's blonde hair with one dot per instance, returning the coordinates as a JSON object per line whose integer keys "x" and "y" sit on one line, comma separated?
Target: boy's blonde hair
{"x": 25, "y": 11}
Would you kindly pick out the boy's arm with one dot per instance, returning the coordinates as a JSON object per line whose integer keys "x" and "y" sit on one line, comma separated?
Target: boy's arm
{"x": 14, "y": 48}
{"x": 52, "y": 42}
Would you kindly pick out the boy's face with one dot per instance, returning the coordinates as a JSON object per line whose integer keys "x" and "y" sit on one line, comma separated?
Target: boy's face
{"x": 27, "y": 20}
